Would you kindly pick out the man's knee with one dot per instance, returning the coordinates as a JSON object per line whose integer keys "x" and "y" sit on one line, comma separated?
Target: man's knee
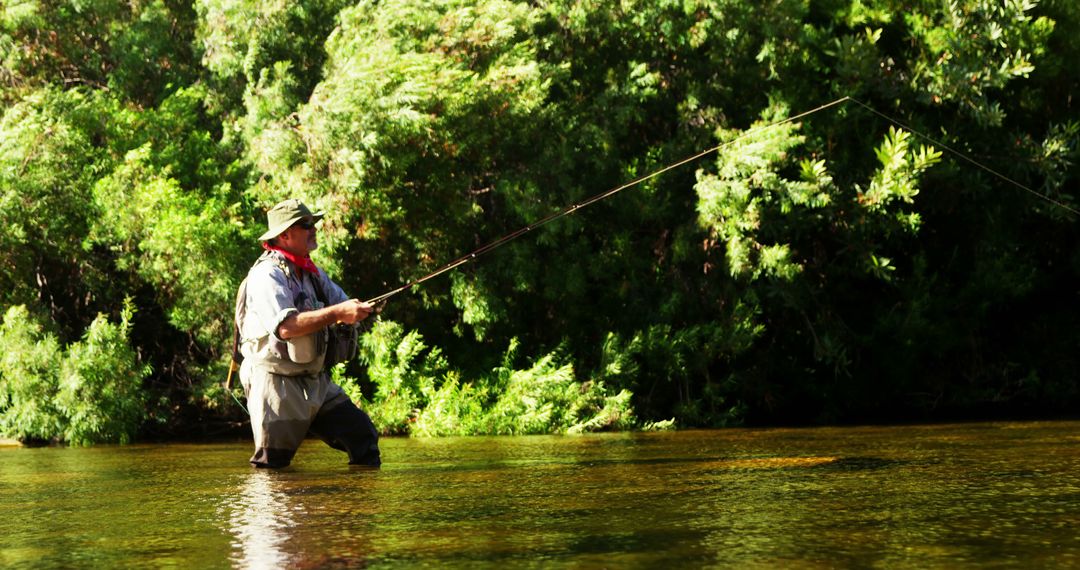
{"x": 277, "y": 441}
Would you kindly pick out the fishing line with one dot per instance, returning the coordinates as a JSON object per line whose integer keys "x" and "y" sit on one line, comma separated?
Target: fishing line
{"x": 471, "y": 256}
{"x": 935, "y": 142}
{"x": 238, "y": 402}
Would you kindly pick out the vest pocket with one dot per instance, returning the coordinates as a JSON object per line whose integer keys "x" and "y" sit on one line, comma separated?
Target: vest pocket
{"x": 304, "y": 349}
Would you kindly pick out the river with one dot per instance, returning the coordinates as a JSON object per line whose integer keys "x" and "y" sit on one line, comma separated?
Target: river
{"x": 937, "y": 496}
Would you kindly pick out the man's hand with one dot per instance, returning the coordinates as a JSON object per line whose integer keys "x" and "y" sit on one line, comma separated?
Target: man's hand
{"x": 307, "y": 322}
{"x": 352, "y": 311}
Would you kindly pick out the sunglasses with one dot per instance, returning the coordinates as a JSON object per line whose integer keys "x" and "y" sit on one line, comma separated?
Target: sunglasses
{"x": 306, "y": 224}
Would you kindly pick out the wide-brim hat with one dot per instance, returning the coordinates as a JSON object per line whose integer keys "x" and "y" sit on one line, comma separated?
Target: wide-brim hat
{"x": 285, "y": 214}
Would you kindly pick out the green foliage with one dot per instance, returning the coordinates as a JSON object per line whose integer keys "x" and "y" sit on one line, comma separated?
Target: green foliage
{"x": 749, "y": 197}
{"x": 973, "y": 48}
{"x": 675, "y": 366}
{"x": 733, "y": 202}
{"x": 240, "y": 39}
{"x": 416, "y": 392}
{"x": 28, "y": 378}
{"x": 136, "y": 50}
{"x": 100, "y": 390}
{"x": 177, "y": 240}
{"x": 542, "y": 398}
{"x": 830, "y": 268}
{"x": 898, "y": 175}
{"x": 47, "y": 163}
{"x": 90, "y": 392}
{"x": 399, "y": 365}
{"x": 391, "y": 133}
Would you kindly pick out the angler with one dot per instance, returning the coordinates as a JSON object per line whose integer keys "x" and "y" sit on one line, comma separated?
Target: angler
{"x": 292, "y": 324}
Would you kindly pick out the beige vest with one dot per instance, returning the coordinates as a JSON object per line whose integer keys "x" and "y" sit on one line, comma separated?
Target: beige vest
{"x": 299, "y": 356}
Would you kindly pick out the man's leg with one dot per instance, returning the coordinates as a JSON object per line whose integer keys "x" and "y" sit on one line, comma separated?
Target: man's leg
{"x": 344, "y": 426}
{"x": 280, "y": 417}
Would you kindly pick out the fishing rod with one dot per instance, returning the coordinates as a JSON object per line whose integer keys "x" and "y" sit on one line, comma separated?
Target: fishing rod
{"x": 573, "y": 208}
{"x": 475, "y": 254}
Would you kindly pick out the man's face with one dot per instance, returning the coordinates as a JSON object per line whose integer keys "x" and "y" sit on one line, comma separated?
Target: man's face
{"x": 300, "y": 238}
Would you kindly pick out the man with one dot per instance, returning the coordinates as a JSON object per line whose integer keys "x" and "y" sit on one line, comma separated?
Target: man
{"x": 290, "y": 304}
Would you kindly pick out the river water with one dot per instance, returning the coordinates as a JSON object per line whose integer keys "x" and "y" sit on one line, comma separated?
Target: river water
{"x": 943, "y": 496}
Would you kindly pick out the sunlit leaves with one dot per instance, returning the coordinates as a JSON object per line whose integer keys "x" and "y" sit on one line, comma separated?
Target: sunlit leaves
{"x": 900, "y": 167}
{"x": 180, "y": 240}
{"x": 136, "y": 51}
{"x": 399, "y": 364}
{"x": 417, "y": 393}
{"x": 47, "y": 161}
{"x": 29, "y": 377}
{"x": 88, "y": 392}
{"x": 974, "y": 48}
{"x": 397, "y": 92}
{"x": 100, "y": 388}
{"x": 749, "y": 197}
{"x": 476, "y": 303}
{"x": 747, "y": 184}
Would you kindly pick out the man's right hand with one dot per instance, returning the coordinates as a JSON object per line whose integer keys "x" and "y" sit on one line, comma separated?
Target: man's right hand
{"x": 352, "y": 311}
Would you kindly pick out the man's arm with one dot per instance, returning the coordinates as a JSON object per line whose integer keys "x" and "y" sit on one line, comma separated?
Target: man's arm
{"x": 307, "y": 322}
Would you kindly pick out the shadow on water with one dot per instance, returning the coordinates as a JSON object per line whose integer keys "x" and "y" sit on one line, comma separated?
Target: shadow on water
{"x": 861, "y": 464}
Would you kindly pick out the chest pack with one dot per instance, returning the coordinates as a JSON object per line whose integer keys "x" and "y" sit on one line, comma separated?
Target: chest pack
{"x": 341, "y": 338}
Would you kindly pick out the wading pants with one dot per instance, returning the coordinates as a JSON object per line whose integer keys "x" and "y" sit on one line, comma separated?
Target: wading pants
{"x": 285, "y": 408}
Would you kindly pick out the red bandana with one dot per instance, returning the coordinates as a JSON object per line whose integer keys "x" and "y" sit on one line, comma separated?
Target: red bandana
{"x": 303, "y": 264}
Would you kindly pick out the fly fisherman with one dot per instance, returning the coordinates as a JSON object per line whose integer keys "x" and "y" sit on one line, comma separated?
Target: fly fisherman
{"x": 287, "y": 315}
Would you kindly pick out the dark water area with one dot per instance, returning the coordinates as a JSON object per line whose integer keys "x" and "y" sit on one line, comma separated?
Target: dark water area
{"x": 943, "y": 496}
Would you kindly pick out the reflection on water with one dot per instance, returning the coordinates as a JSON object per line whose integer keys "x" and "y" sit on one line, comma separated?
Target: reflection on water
{"x": 261, "y": 520}
{"x": 908, "y": 497}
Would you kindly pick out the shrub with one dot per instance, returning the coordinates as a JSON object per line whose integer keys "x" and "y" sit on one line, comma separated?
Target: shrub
{"x": 29, "y": 370}
{"x": 417, "y": 392}
{"x": 398, "y": 364}
{"x": 101, "y": 392}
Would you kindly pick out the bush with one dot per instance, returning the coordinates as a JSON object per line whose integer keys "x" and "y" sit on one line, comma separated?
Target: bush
{"x": 101, "y": 391}
{"x": 92, "y": 392}
{"x": 417, "y": 392}
{"x": 28, "y": 378}
{"x": 398, "y": 364}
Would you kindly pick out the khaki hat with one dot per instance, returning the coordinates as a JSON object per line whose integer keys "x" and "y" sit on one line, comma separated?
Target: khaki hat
{"x": 285, "y": 214}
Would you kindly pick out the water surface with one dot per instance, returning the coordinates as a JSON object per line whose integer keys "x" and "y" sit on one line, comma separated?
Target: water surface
{"x": 950, "y": 496}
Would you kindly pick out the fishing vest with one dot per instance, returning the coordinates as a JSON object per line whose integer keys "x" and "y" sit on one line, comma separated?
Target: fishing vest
{"x": 298, "y": 356}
